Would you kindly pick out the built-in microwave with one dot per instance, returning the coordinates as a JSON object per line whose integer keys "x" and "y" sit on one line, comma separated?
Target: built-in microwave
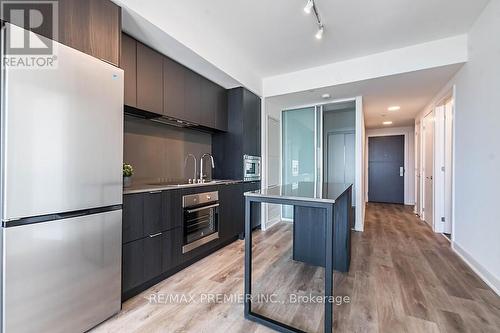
{"x": 251, "y": 167}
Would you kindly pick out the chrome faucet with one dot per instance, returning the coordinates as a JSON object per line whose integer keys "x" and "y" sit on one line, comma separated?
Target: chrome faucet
{"x": 185, "y": 164}
{"x": 201, "y": 180}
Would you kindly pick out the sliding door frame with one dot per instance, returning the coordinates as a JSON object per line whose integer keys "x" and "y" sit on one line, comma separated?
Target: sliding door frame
{"x": 360, "y": 149}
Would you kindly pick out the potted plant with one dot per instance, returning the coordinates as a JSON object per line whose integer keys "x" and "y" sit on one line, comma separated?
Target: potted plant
{"x": 128, "y": 171}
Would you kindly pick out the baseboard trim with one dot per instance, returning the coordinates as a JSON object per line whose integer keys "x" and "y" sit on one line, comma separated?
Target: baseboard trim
{"x": 272, "y": 222}
{"x": 481, "y": 271}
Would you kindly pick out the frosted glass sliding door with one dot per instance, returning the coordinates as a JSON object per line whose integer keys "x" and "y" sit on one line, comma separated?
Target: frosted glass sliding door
{"x": 299, "y": 139}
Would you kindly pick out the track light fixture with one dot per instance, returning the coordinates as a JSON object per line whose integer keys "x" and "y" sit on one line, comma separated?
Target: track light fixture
{"x": 311, "y": 7}
{"x": 319, "y": 34}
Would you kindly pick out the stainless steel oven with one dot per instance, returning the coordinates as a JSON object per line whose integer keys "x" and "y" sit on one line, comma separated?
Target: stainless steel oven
{"x": 251, "y": 167}
{"x": 201, "y": 219}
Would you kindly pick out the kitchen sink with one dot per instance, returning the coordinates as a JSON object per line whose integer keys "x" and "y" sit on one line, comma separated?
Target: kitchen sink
{"x": 180, "y": 183}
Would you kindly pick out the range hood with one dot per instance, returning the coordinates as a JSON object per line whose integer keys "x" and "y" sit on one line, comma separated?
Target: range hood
{"x": 173, "y": 122}
{"x": 138, "y": 113}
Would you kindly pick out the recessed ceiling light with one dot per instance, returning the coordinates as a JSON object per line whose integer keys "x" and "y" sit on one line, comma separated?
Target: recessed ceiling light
{"x": 394, "y": 108}
{"x": 326, "y": 96}
{"x": 387, "y": 123}
{"x": 309, "y": 6}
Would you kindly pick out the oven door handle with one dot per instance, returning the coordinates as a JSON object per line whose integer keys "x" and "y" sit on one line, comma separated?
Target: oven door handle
{"x": 202, "y": 208}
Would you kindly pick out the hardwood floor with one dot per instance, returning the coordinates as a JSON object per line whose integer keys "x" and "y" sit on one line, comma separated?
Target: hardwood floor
{"x": 403, "y": 278}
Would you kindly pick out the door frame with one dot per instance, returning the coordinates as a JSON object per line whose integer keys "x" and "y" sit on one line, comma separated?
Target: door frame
{"x": 424, "y": 172}
{"x": 408, "y": 133}
{"x": 418, "y": 174}
{"x": 266, "y": 221}
{"x": 440, "y": 152}
{"x": 360, "y": 185}
{"x": 437, "y": 226}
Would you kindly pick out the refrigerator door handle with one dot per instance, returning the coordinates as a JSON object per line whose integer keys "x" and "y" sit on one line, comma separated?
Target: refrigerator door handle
{"x": 73, "y": 214}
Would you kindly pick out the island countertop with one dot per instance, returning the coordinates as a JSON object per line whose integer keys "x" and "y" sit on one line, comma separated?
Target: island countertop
{"x": 303, "y": 191}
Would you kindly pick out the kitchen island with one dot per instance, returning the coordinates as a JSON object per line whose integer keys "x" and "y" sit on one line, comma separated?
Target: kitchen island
{"x": 320, "y": 237}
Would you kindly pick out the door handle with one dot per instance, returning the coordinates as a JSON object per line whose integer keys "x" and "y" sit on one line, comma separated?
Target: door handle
{"x": 401, "y": 171}
{"x": 189, "y": 211}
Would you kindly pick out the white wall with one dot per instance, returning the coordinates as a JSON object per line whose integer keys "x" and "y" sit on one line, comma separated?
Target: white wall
{"x": 360, "y": 165}
{"x": 476, "y": 234}
{"x": 452, "y": 50}
{"x": 409, "y": 133}
{"x": 271, "y": 141}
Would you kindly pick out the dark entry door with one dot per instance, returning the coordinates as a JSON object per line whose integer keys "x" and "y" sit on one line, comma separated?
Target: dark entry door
{"x": 386, "y": 169}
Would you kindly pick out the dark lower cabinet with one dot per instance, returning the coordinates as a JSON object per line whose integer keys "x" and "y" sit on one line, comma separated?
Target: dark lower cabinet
{"x": 132, "y": 265}
{"x": 231, "y": 220}
{"x": 142, "y": 215}
{"x": 153, "y": 218}
{"x": 172, "y": 209}
{"x": 147, "y": 258}
{"x": 132, "y": 220}
{"x": 152, "y": 256}
{"x": 153, "y": 232}
{"x": 170, "y": 249}
{"x": 256, "y": 212}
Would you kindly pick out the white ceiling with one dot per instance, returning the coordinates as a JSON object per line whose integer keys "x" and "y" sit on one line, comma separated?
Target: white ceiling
{"x": 273, "y": 37}
{"x": 411, "y": 91}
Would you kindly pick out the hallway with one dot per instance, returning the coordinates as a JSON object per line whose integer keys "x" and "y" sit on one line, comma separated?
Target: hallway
{"x": 403, "y": 278}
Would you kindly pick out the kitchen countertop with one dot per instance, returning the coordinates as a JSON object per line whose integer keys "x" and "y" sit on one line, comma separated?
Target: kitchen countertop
{"x": 303, "y": 191}
{"x": 142, "y": 187}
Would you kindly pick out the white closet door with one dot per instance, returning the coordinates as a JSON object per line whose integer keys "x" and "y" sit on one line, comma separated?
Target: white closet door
{"x": 350, "y": 158}
{"x": 336, "y": 158}
{"x": 350, "y": 161}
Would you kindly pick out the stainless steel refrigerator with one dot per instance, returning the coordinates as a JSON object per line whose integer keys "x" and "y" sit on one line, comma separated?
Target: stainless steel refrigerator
{"x": 61, "y": 194}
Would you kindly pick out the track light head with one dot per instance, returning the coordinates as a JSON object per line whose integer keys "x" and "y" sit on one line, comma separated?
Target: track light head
{"x": 309, "y": 6}
{"x": 319, "y": 34}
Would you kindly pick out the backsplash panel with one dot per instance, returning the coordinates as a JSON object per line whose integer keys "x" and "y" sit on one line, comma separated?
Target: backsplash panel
{"x": 159, "y": 151}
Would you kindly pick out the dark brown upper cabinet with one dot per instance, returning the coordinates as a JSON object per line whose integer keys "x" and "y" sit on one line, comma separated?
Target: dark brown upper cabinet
{"x": 174, "y": 76}
{"x": 221, "y": 110}
{"x": 129, "y": 65}
{"x": 160, "y": 85}
{"x": 243, "y": 135}
{"x": 192, "y": 97}
{"x": 208, "y": 103}
{"x": 105, "y": 30}
{"x": 251, "y": 123}
{"x": 149, "y": 79}
{"x": 92, "y": 26}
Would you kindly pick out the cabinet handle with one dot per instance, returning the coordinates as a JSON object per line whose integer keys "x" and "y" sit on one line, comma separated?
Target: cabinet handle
{"x": 154, "y": 192}
{"x": 189, "y": 211}
{"x": 155, "y": 235}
